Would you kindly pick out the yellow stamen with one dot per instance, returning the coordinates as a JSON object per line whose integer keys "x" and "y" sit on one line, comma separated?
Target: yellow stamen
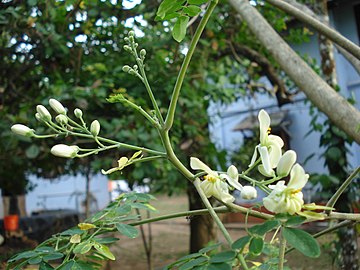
{"x": 210, "y": 178}
{"x": 268, "y": 130}
{"x": 293, "y": 192}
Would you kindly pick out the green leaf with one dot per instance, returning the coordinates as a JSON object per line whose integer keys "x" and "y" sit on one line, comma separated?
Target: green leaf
{"x": 267, "y": 226}
{"x": 191, "y": 10}
{"x": 219, "y": 266}
{"x": 83, "y": 247}
{"x": 32, "y": 2}
{"x": 191, "y": 264}
{"x": 295, "y": 221}
{"x": 127, "y": 230}
{"x": 241, "y": 242}
{"x": 197, "y": 2}
{"x": 53, "y": 256}
{"x": 70, "y": 265}
{"x": 179, "y": 30}
{"x": 35, "y": 260}
{"x": 123, "y": 210}
{"x": 168, "y": 6}
{"x": 225, "y": 256}
{"x": 104, "y": 250}
{"x": 23, "y": 255}
{"x": 256, "y": 246}
{"x": 72, "y": 231}
{"x": 106, "y": 240}
{"x": 209, "y": 248}
{"x": 302, "y": 241}
{"x": 45, "y": 266}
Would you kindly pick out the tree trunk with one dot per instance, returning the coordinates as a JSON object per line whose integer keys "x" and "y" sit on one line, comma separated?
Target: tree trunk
{"x": 347, "y": 235}
{"x": 325, "y": 98}
{"x": 202, "y": 228}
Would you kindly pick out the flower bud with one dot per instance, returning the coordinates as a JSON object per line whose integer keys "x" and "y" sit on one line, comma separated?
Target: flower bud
{"x": 142, "y": 52}
{"x": 285, "y": 163}
{"x": 38, "y": 117}
{"x": 232, "y": 172}
{"x": 78, "y": 113}
{"x": 57, "y": 106}
{"x": 248, "y": 193}
{"x": 126, "y": 68}
{"x": 63, "y": 150}
{"x": 75, "y": 239}
{"x": 127, "y": 48}
{"x": 126, "y": 39}
{"x": 22, "y": 130}
{"x": 95, "y": 128}
{"x": 61, "y": 119}
{"x": 131, "y": 33}
{"x": 43, "y": 112}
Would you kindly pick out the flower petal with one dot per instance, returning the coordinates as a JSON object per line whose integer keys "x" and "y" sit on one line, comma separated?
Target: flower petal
{"x": 298, "y": 177}
{"x": 264, "y": 122}
{"x": 285, "y": 163}
{"x": 197, "y": 164}
{"x": 265, "y": 158}
{"x": 232, "y": 182}
{"x": 264, "y": 173}
{"x": 254, "y": 156}
{"x": 274, "y": 155}
{"x": 275, "y": 139}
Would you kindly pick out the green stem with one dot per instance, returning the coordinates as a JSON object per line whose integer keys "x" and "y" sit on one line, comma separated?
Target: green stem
{"x": 252, "y": 166}
{"x": 180, "y": 79}
{"x": 251, "y": 212}
{"x": 221, "y": 209}
{"x": 342, "y": 188}
{"x": 143, "y": 112}
{"x": 282, "y": 249}
{"x": 147, "y": 86}
{"x": 346, "y": 216}
{"x": 124, "y": 145}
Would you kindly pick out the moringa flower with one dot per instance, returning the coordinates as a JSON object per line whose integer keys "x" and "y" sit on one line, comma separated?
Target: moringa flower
{"x": 212, "y": 185}
{"x": 95, "y": 128}
{"x": 286, "y": 162}
{"x": 63, "y": 150}
{"x": 43, "y": 113}
{"x": 287, "y": 199}
{"x": 57, "y": 106}
{"x": 269, "y": 147}
{"x": 22, "y": 130}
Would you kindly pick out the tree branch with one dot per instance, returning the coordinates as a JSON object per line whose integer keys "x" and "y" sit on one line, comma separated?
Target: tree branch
{"x": 336, "y": 107}
{"x": 319, "y": 26}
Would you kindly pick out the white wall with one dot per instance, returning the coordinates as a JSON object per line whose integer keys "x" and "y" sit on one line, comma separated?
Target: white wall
{"x": 61, "y": 193}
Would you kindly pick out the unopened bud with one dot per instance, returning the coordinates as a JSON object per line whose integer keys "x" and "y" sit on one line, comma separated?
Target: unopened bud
{"x": 248, "y": 193}
{"x": 127, "y": 48}
{"x": 126, "y": 39}
{"x": 22, "y": 130}
{"x": 61, "y": 119}
{"x": 38, "y": 117}
{"x": 78, "y": 113}
{"x": 43, "y": 112}
{"x": 126, "y": 68}
{"x": 95, "y": 128}
{"x": 131, "y": 33}
{"x": 232, "y": 172}
{"x": 57, "y": 106}
{"x": 135, "y": 67}
{"x": 63, "y": 150}
{"x": 142, "y": 52}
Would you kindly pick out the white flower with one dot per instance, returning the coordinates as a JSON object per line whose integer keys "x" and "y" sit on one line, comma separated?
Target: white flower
{"x": 95, "y": 128}
{"x": 212, "y": 185}
{"x": 43, "y": 113}
{"x": 22, "y": 130}
{"x": 248, "y": 193}
{"x": 287, "y": 199}
{"x": 63, "y": 150}
{"x": 269, "y": 147}
{"x": 57, "y": 106}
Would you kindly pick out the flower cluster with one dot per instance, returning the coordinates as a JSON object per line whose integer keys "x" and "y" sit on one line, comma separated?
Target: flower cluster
{"x": 61, "y": 126}
{"x": 282, "y": 198}
{"x": 217, "y": 185}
